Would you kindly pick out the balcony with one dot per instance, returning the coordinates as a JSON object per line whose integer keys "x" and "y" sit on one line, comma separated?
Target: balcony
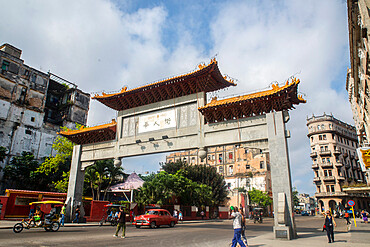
{"x": 325, "y": 153}
{"x": 336, "y": 152}
{"x": 341, "y": 178}
{"x": 326, "y": 165}
{"x": 329, "y": 178}
{"x": 313, "y": 154}
{"x": 351, "y": 156}
{"x": 338, "y": 164}
{"x": 345, "y": 155}
{"x": 316, "y": 179}
{"x": 315, "y": 166}
{"x": 328, "y": 194}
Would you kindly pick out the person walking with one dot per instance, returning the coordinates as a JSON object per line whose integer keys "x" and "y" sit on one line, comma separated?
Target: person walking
{"x": 237, "y": 225}
{"x": 175, "y": 213}
{"x": 77, "y": 214}
{"x": 364, "y": 216}
{"x": 346, "y": 216}
{"x": 121, "y": 223}
{"x": 329, "y": 226}
{"x": 180, "y": 216}
{"x": 202, "y": 214}
{"x": 244, "y": 238}
{"x": 62, "y": 214}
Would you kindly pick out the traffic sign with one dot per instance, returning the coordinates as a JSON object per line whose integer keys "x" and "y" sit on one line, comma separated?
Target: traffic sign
{"x": 351, "y": 203}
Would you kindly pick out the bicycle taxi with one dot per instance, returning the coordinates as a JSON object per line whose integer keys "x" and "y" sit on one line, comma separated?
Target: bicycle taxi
{"x": 50, "y": 221}
{"x": 109, "y": 215}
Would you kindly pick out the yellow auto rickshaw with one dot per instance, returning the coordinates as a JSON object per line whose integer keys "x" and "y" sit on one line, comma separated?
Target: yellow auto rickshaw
{"x": 50, "y": 221}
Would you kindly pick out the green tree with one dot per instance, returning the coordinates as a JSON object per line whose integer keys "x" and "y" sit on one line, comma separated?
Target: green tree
{"x": 62, "y": 185}
{"x": 90, "y": 178}
{"x": 113, "y": 175}
{"x": 147, "y": 178}
{"x": 64, "y": 150}
{"x": 295, "y": 197}
{"x": 165, "y": 187}
{"x": 173, "y": 167}
{"x": 20, "y": 173}
{"x": 3, "y": 152}
{"x": 100, "y": 169}
{"x": 56, "y": 168}
{"x": 101, "y": 176}
{"x": 262, "y": 199}
{"x": 201, "y": 174}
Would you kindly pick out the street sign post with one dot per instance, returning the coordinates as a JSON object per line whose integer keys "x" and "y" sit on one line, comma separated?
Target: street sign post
{"x": 351, "y": 203}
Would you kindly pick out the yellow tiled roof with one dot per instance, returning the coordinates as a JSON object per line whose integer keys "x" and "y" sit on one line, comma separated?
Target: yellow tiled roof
{"x": 275, "y": 89}
{"x": 200, "y": 67}
{"x": 88, "y": 129}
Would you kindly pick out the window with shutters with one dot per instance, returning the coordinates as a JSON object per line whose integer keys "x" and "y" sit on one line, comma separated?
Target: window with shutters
{"x": 230, "y": 155}
{"x": 5, "y": 65}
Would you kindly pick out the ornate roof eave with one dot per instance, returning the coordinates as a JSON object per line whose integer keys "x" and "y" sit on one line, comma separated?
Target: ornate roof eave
{"x": 277, "y": 98}
{"x": 193, "y": 82}
{"x": 94, "y": 134}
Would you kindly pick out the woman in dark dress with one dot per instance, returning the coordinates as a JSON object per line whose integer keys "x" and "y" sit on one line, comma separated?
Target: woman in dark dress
{"x": 329, "y": 226}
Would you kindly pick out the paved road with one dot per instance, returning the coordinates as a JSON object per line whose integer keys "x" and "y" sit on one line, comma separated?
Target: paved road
{"x": 187, "y": 234}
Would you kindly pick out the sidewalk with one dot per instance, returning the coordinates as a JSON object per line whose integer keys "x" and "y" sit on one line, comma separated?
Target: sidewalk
{"x": 357, "y": 236}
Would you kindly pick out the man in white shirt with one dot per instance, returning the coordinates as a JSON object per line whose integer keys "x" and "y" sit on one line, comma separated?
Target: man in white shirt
{"x": 237, "y": 225}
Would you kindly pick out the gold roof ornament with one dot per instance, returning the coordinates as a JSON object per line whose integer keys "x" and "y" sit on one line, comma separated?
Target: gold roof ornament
{"x": 124, "y": 89}
{"x": 214, "y": 99}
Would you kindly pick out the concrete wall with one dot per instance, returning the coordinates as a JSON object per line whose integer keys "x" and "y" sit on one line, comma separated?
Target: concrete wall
{"x": 22, "y": 129}
{"x": 189, "y": 132}
{"x": 23, "y": 92}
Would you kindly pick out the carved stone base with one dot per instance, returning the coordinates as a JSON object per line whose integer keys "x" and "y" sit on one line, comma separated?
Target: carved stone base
{"x": 284, "y": 232}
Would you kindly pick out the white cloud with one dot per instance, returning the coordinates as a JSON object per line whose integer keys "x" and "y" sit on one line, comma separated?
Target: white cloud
{"x": 259, "y": 45}
{"x": 102, "y": 47}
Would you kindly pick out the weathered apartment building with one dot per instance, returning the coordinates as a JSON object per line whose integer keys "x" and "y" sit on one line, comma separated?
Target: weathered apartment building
{"x": 335, "y": 163}
{"x": 358, "y": 76}
{"x": 242, "y": 168}
{"x": 34, "y": 105}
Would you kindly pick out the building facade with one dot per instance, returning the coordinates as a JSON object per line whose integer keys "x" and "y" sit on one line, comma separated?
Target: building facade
{"x": 357, "y": 83}
{"x": 34, "y": 105}
{"x": 335, "y": 163}
{"x": 306, "y": 203}
{"x": 243, "y": 169}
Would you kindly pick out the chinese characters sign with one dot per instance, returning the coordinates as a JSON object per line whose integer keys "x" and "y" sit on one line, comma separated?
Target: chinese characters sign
{"x": 157, "y": 121}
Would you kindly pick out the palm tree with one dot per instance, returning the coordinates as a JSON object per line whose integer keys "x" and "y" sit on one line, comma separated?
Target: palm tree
{"x": 91, "y": 178}
{"x": 113, "y": 174}
{"x": 97, "y": 174}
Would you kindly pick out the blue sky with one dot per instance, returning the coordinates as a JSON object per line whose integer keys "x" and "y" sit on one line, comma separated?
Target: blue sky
{"x": 104, "y": 45}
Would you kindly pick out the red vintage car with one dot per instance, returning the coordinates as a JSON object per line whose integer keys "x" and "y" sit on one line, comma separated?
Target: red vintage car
{"x": 155, "y": 218}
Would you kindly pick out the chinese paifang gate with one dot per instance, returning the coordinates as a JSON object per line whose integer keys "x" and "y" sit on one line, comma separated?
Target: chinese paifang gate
{"x": 174, "y": 115}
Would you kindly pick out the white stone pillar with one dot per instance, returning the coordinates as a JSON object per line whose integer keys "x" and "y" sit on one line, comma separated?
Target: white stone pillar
{"x": 284, "y": 225}
{"x": 75, "y": 185}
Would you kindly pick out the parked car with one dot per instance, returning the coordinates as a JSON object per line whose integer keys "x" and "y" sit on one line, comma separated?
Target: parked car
{"x": 305, "y": 213}
{"x": 155, "y": 218}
